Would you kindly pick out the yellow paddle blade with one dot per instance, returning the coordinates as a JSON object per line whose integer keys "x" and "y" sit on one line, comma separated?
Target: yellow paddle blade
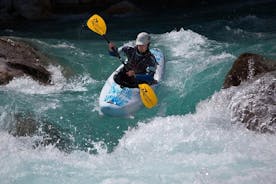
{"x": 147, "y": 95}
{"x": 97, "y": 24}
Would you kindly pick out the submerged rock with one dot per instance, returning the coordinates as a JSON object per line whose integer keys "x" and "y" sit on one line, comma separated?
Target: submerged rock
{"x": 18, "y": 59}
{"x": 50, "y": 134}
{"x": 25, "y": 126}
{"x": 254, "y": 101}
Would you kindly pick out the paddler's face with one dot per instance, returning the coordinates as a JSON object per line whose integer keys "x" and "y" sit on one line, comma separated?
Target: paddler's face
{"x": 142, "y": 48}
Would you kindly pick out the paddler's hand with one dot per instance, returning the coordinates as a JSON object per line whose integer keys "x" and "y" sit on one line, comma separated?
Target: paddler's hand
{"x": 130, "y": 73}
{"x": 112, "y": 47}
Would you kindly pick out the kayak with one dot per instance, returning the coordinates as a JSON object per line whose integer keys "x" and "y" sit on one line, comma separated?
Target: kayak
{"x": 123, "y": 101}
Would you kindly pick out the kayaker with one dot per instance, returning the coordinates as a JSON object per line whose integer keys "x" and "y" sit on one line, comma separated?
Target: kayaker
{"x": 141, "y": 63}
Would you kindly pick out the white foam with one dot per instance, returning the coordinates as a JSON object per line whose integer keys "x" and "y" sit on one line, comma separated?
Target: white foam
{"x": 190, "y": 53}
{"x": 254, "y": 101}
{"x": 183, "y": 43}
{"x": 59, "y": 83}
{"x": 59, "y": 44}
{"x": 204, "y": 147}
{"x": 200, "y": 147}
{"x": 244, "y": 34}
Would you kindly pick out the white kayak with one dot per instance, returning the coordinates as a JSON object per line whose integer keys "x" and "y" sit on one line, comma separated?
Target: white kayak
{"x": 118, "y": 101}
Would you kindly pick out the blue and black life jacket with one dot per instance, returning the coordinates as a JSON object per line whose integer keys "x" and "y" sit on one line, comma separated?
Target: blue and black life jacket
{"x": 141, "y": 63}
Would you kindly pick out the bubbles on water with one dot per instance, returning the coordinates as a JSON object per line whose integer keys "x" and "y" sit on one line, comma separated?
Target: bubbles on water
{"x": 59, "y": 83}
{"x": 187, "y": 55}
{"x": 206, "y": 145}
{"x": 203, "y": 147}
{"x": 193, "y": 148}
{"x": 183, "y": 43}
{"x": 59, "y": 44}
{"x": 254, "y": 104}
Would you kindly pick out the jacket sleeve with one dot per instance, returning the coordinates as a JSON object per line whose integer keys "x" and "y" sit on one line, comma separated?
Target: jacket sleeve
{"x": 144, "y": 77}
{"x": 114, "y": 53}
{"x": 126, "y": 50}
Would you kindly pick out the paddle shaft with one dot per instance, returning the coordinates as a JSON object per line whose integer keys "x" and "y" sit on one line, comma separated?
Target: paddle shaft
{"x": 106, "y": 39}
{"x": 113, "y": 49}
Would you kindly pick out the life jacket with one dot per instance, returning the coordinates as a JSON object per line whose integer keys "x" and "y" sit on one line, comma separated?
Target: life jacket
{"x": 141, "y": 63}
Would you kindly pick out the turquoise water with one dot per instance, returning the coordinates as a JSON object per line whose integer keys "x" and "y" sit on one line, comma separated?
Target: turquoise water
{"x": 190, "y": 137}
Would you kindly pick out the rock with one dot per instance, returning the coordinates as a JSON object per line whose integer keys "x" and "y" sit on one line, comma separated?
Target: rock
{"x": 246, "y": 67}
{"x": 18, "y": 59}
{"x": 254, "y": 104}
{"x": 54, "y": 135}
{"x": 254, "y": 101}
{"x": 27, "y": 125}
{"x": 122, "y": 8}
{"x": 25, "y": 9}
{"x": 33, "y": 9}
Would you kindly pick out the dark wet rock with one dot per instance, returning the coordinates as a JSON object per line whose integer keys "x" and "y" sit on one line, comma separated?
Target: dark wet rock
{"x": 24, "y": 9}
{"x": 54, "y": 135}
{"x": 25, "y": 126}
{"x": 247, "y": 66}
{"x": 18, "y": 58}
{"x": 254, "y": 100}
{"x": 50, "y": 134}
{"x": 122, "y": 8}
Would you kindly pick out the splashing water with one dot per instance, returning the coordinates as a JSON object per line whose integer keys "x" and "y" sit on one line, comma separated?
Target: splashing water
{"x": 194, "y": 135}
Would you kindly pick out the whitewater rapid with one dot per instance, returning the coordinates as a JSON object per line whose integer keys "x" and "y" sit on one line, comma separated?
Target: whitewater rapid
{"x": 191, "y": 137}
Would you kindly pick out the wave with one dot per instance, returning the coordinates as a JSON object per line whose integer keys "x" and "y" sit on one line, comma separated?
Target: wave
{"x": 206, "y": 146}
{"x": 201, "y": 147}
{"x": 59, "y": 83}
{"x": 190, "y": 54}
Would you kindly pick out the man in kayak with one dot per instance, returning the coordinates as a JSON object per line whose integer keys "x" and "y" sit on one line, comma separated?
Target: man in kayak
{"x": 141, "y": 63}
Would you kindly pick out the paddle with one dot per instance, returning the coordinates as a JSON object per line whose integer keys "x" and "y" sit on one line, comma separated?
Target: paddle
{"x": 97, "y": 25}
{"x": 147, "y": 95}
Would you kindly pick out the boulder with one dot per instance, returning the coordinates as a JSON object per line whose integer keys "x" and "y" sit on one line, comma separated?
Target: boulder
{"x": 122, "y": 8}
{"x": 18, "y": 58}
{"x": 25, "y": 9}
{"x": 253, "y": 102}
{"x": 49, "y": 133}
{"x": 247, "y": 66}
{"x": 24, "y": 125}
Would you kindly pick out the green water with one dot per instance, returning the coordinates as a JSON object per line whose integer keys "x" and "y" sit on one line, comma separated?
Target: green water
{"x": 185, "y": 139}
{"x": 195, "y": 69}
